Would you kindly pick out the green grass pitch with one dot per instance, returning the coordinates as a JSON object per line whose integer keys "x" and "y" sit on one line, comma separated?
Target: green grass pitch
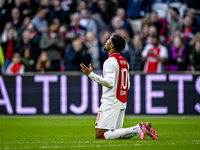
{"x": 77, "y": 132}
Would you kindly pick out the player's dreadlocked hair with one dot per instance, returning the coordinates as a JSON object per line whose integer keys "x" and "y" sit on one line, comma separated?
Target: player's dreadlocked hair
{"x": 118, "y": 42}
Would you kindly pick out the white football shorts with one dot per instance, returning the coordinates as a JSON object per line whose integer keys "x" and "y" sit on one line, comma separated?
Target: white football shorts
{"x": 110, "y": 119}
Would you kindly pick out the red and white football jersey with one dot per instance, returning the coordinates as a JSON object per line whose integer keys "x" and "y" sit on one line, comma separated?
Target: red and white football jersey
{"x": 152, "y": 64}
{"x": 115, "y": 82}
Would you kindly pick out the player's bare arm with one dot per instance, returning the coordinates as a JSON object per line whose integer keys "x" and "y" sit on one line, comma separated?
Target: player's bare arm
{"x": 85, "y": 69}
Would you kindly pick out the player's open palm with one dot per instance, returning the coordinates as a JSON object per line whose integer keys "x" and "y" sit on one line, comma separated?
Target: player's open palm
{"x": 85, "y": 69}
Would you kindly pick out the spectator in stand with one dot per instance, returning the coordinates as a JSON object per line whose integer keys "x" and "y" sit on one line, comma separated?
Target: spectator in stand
{"x": 28, "y": 8}
{"x": 4, "y": 35}
{"x": 44, "y": 4}
{"x": 103, "y": 10}
{"x": 43, "y": 62}
{"x": 93, "y": 9}
{"x": 4, "y": 14}
{"x": 154, "y": 56}
{"x": 176, "y": 33}
{"x": 29, "y": 39}
{"x": 81, "y": 5}
{"x": 15, "y": 18}
{"x": 35, "y": 39}
{"x": 125, "y": 34}
{"x": 138, "y": 8}
{"x": 195, "y": 57}
{"x": 193, "y": 41}
{"x": 64, "y": 31}
{"x": 39, "y": 20}
{"x": 11, "y": 4}
{"x": 155, "y": 21}
{"x": 101, "y": 25}
{"x": 52, "y": 42}
{"x": 75, "y": 27}
{"x": 176, "y": 55}
{"x": 15, "y": 67}
{"x": 116, "y": 24}
{"x": 75, "y": 54}
{"x": 144, "y": 33}
{"x": 24, "y": 41}
{"x": 8, "y": 48}
{"x": 105, "y": 35}
{"x": 152, "y": 31}
{"x": 27, "y": 59}
{"x": 57, "y": 23}
{"x": 192, "y": 13}
{"x": 87, "y": 22}
{"x": 23, "y": 27}
{"x": 93, "y": 49}
{"x": 187, "y": 30}
{"x": 112, "y": 6}
{"x": 135, "y": 61}
{"x": 57, "y": 12}
{"x": 17, "y": 3}
{"x": 126, "y": 24}
{"x": 175, "y": 23}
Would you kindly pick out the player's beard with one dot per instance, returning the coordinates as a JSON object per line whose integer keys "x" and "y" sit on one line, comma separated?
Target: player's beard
{"x": 105, "y": 49}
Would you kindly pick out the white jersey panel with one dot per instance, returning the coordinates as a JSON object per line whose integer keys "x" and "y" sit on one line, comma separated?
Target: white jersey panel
{"x": 110, "y": 73}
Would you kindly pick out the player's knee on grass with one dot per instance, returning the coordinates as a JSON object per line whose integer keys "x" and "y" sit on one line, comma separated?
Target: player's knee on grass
{"x": 99, "y": 133}
{"x": 98, "y": 137}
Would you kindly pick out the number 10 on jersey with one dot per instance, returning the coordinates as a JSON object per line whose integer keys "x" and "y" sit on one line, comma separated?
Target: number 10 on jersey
{"x": 124, "y": 78}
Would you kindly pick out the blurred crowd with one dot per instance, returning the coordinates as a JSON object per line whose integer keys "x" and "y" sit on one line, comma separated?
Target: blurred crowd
{"x": 58, "y": 35}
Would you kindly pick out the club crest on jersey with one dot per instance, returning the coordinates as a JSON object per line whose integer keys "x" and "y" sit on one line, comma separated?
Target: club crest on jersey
{"x": 123, "y": 62}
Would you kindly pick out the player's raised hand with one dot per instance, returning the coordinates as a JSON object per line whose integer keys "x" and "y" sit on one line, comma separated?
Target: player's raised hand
{"x": 85, "y": 69}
